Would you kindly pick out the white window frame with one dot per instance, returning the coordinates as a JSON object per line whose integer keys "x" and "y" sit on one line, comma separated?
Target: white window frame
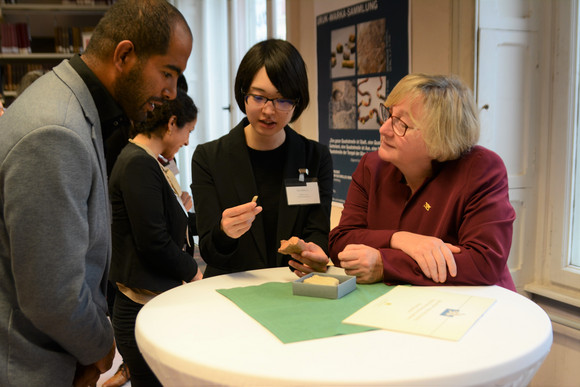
{"x": 555, "y": 276}
{"x": 564, "y": 130}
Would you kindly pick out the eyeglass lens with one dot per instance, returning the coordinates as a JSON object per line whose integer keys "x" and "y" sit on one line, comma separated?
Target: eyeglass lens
{"x": 399, "y": 127}
{"x": 282, "y": 104}
{"x": 385, "y": 113}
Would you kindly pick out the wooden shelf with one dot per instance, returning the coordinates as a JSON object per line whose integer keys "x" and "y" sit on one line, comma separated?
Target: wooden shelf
{"x": 47, "y": 24}
{"x": 36, "y": 56}
{"x": 43, "y": 8}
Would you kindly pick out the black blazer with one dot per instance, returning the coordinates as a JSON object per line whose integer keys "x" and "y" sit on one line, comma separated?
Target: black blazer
{"x": 222, "y": 177}
{"x": 149, "y": 225}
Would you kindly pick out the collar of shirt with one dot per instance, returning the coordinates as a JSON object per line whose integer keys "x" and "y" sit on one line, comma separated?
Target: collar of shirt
{"x": 110, "y": 113}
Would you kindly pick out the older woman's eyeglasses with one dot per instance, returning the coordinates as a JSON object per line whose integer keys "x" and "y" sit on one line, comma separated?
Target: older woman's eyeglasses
{"x": 282, "y": 104}
{"x": 398, "y": 125}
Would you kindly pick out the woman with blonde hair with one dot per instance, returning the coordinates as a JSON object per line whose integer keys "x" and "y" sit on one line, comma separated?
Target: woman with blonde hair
{"x": 429, "y": 207}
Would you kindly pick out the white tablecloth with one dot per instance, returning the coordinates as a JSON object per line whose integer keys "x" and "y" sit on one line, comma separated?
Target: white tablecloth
{"x": 192, "y": 335}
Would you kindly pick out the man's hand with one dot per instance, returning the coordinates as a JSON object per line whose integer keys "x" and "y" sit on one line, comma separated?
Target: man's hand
{"x": 312, "y": 259}
{"x": 106, "y": 362}
{"x": 88, "y": 375}
{"x": 434, "y": 257}
{"x": 236, "y": 221}
{"x": 362, "y": 261}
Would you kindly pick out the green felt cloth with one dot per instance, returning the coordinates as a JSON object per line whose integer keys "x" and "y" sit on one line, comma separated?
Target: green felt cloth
{"x": 296, "y": 318}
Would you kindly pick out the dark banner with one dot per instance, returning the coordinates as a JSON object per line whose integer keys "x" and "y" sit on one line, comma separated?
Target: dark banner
{"x": 362, "y": 54}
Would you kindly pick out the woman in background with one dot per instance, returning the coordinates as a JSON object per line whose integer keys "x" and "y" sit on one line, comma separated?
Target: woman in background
{"x": 149, "y": 224}
{"x": 256, "y": 158}
{"x": 430, "y": 207}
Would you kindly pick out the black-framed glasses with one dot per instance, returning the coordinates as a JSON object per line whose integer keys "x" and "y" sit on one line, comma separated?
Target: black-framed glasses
{"x": 399, "y": 126}
{"x": 282, "y": 104}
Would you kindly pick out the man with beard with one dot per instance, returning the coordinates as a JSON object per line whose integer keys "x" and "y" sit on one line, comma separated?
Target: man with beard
{"x": 55, "y": 238}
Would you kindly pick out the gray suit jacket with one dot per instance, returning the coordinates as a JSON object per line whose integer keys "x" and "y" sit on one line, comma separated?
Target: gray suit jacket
{"x": 55, "y": 242}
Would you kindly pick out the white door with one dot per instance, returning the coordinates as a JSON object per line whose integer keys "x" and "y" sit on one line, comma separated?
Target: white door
{"x": 508, "y": 77}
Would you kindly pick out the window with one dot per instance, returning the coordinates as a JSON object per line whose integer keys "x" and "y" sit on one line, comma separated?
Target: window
{"x": 528, "y": 75}
{"x": 574, "y": 236}
{"x": 558, "y": 234}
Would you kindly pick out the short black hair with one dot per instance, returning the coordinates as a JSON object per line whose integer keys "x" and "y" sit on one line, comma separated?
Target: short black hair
{"x": 148, "y": 24}
{"x": 182, "y": 107}
{"x": 285, "y": 68}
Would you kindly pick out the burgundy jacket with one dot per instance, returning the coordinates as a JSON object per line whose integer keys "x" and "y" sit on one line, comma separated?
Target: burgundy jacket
{"x": 464, "y": 203}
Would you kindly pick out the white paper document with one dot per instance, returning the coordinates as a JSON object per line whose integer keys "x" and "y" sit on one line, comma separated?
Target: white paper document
{"x": 423, "y": 311}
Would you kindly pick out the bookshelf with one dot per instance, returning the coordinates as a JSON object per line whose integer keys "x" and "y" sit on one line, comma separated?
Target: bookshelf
{"x": 37, "y": 35}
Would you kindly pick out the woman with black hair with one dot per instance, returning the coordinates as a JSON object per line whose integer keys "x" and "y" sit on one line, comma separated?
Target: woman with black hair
{"x": 150, "y": 216}
{"x": 262, "y": 156}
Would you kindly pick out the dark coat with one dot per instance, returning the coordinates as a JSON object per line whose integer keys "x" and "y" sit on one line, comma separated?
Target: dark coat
{"x": 222, "y": 177}
{"x": 149, "y": 225}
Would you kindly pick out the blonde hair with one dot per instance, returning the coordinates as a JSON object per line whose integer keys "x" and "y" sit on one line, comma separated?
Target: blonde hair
{"x": 450, "y": 124}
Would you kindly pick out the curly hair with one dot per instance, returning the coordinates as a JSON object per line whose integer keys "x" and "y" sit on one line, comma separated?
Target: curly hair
{"x": 148, "y": 24}
{"x": 182, "y": 107}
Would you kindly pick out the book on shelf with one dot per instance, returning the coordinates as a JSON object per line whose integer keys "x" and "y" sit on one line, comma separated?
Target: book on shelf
{"x": 68, "y": 40}
{"x": 15, "y": 38}
{"x": 86, "y": 36}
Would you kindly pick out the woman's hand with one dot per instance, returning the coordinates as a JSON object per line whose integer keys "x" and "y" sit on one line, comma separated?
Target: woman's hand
{"x": 434, "y": 257}
{"x": 88, "y": 375}
{"x": 312, "y": 259}
{"x": 236, "y": 221}
{"x": 362, "y": 261}
{"x": 198, "y": 276}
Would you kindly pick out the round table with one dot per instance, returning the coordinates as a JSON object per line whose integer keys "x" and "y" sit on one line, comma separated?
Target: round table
{"x": 192, "y": 335}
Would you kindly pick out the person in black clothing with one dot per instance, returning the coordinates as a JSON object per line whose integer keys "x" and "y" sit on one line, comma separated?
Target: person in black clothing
{"x": 117, "y": 133}
{"x": 263, "y": 156}
{"x": 150, "y": 216}
{"x": 53, "y": 303}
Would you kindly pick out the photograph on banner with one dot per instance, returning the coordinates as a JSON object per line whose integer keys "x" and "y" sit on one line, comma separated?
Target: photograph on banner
{"x": 362, "y": 53}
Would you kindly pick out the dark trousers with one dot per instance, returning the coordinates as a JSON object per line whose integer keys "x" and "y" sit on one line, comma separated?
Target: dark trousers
{"x": 124, "y": 316}
{"x": 111, "y": 292}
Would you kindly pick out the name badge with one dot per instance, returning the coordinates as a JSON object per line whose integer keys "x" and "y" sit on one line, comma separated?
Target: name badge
{"x": 302, "y": 193}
